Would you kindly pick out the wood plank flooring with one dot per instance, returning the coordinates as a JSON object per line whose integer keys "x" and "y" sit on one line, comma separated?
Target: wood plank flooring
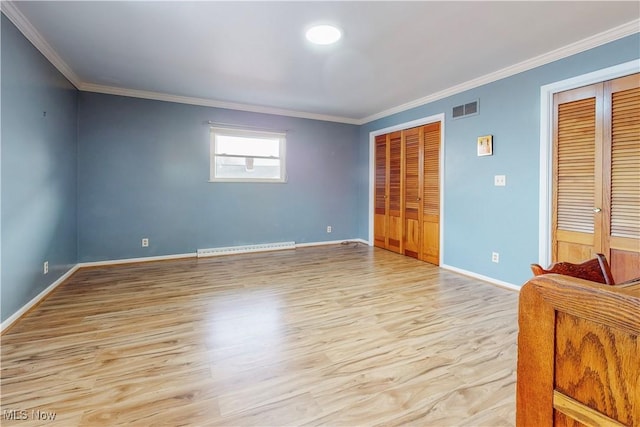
{"x": 333, "y": 335}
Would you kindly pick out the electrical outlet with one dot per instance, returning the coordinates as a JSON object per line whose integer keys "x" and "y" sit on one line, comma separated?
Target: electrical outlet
{"x": 500, "y": 180}
{"x": 145, "y": 242}
{"x": 328, "y": 229}
{"x": 495, "y": 257}
{"x": 45, "y": 267}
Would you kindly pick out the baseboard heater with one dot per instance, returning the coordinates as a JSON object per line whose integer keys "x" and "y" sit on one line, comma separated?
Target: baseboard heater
{"x": 229, "y": 250}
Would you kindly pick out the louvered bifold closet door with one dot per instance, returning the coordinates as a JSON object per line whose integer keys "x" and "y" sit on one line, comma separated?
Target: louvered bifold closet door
{"x": 577, "y": 156}
{"x": 430, "y": 238}
{"x": 407, "y": 192}
{"x": 622, "y": 99}
{"x": 412, "y": 147}
{"x": 380, "y": 192}
{"x": 394, "y": 230}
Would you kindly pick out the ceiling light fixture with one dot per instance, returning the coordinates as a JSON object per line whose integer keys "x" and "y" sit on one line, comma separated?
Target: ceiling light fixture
{"x": 323, "y": 34}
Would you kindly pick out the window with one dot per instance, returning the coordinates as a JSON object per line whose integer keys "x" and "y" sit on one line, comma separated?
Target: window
{"x": 239, "y": 155}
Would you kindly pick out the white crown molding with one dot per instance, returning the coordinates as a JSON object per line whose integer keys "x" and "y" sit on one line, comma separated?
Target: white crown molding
{"x": 22, "y": 23}
{"x": 585, "y": 44}
{"x": 204, "y": 102}
{"x": 29, "y": 31}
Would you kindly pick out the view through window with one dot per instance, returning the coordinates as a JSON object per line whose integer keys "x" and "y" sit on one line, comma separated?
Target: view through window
{"x": 247, "y": 156}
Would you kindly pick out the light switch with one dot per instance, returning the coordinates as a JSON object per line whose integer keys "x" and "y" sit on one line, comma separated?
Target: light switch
{"x": 500, "y": 180}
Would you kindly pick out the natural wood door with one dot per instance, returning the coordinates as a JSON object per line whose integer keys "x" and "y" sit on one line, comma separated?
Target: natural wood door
{"x": 381, "y": 202}
{"x": 421, "y": 235}
{"x": 622, "y": 182}
{"x": 430, "y": 215}
{"x": 413, "y": 149}
{"x": 394, "y": 230}
{"x": 387, "y": 221}
{"x": 596, "y": 183}
{"x": 407, "y": 192}
{"x": 577, "y": 154}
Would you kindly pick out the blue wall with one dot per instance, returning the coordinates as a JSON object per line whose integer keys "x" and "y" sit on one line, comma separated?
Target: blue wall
{"x": 87, "y": 181}
{"x": 480, "y": 218}
{"x": 38, "y": 171}
{"x": 144, "y": 169}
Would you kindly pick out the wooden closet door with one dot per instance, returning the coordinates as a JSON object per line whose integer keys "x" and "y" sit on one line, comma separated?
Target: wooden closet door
{"x": 577, "y": 155}
{"x": 413, "y": 147}
{"x": 387, "y": 219}
{"x": 407, "y": 192}
{"x": 381, "y": 199}
{"x": 394, "y": 230}
{"x": 596, "y": 185}
{"x": 430, "y": 194}
{"x": 622, "y": 176}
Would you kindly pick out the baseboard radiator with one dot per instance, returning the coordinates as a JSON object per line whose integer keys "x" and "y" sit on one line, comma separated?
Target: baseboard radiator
{"x": 230, "y": 250}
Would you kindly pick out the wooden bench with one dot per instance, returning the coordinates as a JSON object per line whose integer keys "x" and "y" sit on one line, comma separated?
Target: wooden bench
{"x": 578, "y": 353}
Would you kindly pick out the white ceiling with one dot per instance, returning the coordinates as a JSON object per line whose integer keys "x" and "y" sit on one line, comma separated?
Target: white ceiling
{"x": 253, "y": 55}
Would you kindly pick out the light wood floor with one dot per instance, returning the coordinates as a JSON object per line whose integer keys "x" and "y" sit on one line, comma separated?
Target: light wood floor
{"x": 334, "y": 335}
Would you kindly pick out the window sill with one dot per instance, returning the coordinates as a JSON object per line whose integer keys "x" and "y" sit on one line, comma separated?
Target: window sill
{"x": 259, "y": 181}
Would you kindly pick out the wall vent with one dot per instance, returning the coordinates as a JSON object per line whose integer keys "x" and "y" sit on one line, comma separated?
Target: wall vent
{"x": 464, "y": 110}
{"x": 229, "y": 250}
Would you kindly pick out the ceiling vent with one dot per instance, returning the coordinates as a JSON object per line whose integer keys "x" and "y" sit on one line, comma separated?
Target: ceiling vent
{"x": 464, "y": 110}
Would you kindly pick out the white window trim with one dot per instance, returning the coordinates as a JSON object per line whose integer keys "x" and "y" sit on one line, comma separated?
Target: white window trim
{"x": 282, "y": 136}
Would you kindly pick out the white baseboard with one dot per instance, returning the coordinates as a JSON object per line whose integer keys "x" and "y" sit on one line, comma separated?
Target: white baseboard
{"x": 135, "y": 260}
{"x": 35, "y": 300}
{"x": 491, "y": 280}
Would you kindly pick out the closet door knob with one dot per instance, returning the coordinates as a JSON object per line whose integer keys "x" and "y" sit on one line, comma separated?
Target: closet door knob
{"x": 596, "y": 210}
